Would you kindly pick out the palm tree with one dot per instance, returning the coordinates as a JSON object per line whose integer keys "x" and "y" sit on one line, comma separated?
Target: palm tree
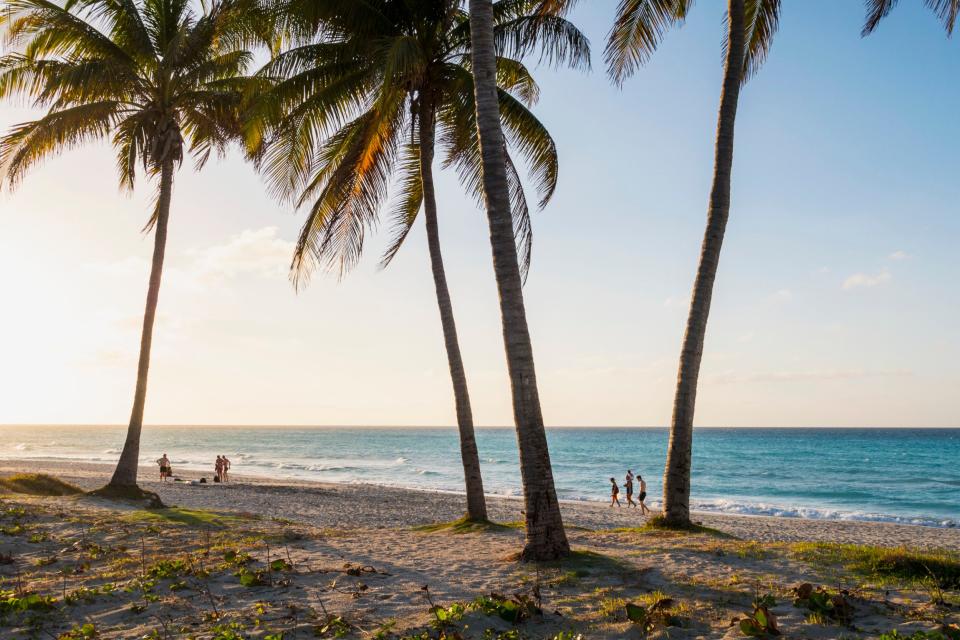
{"x": 638, "y": 29}
{"x": 545, "y": 535}
{"x": 156, "y": 78}
{"x": 361, "y": 104}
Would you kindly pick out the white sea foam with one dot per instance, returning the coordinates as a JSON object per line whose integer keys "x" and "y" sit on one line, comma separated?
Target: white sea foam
{"x": 793, "y": 511}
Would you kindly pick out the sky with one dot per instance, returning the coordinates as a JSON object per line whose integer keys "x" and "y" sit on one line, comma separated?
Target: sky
{"x": 836, "y": 302}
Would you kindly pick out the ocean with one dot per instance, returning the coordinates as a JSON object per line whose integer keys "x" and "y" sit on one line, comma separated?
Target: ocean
{"x": 891, "y": 475}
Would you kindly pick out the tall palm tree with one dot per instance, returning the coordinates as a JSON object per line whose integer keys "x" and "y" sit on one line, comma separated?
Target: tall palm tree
{"x": 157, "y": 78}
{"x": 751, "y": 25}
{"x": 361, "y": 104}
{"x": 637, "y": 30}
{"x": 545, "y": 535}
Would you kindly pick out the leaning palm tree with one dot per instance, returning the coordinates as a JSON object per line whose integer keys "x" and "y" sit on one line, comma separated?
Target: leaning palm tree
{"x": 545, "y": 535}
{"x": 638, "y": 29}
{"x": 361, "y": 104}
{"x": 751, "y": 25}
{"x": 155, "y": 77}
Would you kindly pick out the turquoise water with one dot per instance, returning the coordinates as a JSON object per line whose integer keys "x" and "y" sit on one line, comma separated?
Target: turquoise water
{"x": 896, "y": 475}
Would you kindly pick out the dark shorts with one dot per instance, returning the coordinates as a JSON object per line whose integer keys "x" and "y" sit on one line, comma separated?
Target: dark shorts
{"x": 629, "y": 491}
{"x": 643, "y": 494}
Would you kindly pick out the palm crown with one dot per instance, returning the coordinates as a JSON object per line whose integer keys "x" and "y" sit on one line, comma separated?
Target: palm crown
{"x": 346, "y": 107}
{"x": 152, "y": 74}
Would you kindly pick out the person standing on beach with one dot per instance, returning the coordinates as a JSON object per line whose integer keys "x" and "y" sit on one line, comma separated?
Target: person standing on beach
{"x": 614, "y": 492}
{"x": 218, "y": 470}
{"x": 165, "y": 471}
{"x": 628, "y": 487}
{"x": 644, "y": 509}
{"x": 224, "y": 468}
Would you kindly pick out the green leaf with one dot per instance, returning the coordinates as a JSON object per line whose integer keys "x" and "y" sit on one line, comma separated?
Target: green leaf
{"x": 636, "y": 613}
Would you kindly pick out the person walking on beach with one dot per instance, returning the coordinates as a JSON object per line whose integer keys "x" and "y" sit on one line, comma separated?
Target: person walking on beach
{"x": 628, "y": 487}
{"x": 165, "y": 471}
{"x": 644, "y": 509}
{"x": 218, "y": 470}
{"x": 224, "y": 468}
{"x": 614, "y": 492}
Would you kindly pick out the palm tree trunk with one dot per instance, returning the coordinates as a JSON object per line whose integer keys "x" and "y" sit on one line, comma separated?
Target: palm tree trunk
{"x": 545, "y": 538}
{"x": 125, "y": 474}
{"x": 476, "y": 503}
{"x": 676, "y": 477}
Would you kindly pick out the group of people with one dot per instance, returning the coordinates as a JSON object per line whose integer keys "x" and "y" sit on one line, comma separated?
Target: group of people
{"x": 221, "y": 468}
{"x": 628, "y": 489}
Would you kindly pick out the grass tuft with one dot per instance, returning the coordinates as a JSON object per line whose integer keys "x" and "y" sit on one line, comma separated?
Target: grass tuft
{"x": 899, "y": 563}
{"x": 468, "y": 525}
{"x": 129, "y": 493}
{"x": 38, "y": 484}
{"x": 658, "y": 524}
{"x": 186, "y": 517}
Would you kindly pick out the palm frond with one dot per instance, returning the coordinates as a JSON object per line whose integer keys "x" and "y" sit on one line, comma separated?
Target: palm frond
{"x": 556, "y": 40}
{"x": 945, "y": 10}
{"x": 348, "y": 190}
{"x": 637, "y": 31}
{"x": 409, "y": 198}
{"x": 30, "y": 142}
{"x": 761, "y": 19}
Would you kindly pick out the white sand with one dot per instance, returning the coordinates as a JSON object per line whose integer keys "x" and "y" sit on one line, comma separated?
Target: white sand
{"x": 341, "y": 506}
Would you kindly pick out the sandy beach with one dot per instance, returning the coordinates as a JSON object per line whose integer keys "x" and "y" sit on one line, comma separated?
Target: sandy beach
{"x": 374, "y": 507}
{"x": 354, "y": 560}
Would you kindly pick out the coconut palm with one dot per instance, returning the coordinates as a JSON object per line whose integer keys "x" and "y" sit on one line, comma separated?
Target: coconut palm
{"x": 364, "y": 101}
{"x": 638, "y": 29}
{"x": 156, "y": 78}
{"x": 545, "y": 536}
{"x": 751, "y": 24}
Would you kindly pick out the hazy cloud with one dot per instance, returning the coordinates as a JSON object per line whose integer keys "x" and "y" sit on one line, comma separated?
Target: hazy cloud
{"x": 867, "y": 280}
{"x": 677, "y": 302}
{"x": 899, "y": 255}
{"x": 783, "y": 295}
{"x": 252, "y": 251}
{"x": 734, "y": 377}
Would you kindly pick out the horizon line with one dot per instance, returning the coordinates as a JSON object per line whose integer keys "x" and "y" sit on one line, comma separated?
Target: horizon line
{"x": 451, "y": 426}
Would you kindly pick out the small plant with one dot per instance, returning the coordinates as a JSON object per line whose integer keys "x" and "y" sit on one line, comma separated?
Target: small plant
{"x": 11, "y": 603}
{"x": 82, "y": 632}
{"x": 166, "y": 569}
{"x": 760, "y": 624}
{"x": 333, "y": 627}
{"x": 822, "y": 604}
{"x": 255, "y": 578}
{"x": 280, "y": 565}
{"x": 238, "y": 558}
{"x": 231, "y": 631}
{"x": 445, "y": 617}
{"x": 648, "y": 616}
{"x": 513, "y": 610}
{"x": 80, "y": 595}
{"x": 948, "y": 632}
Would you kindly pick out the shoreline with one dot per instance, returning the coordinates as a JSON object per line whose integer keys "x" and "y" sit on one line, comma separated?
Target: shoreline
{"x": 192, "y": 471}
{"x": 350, "y": 506}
